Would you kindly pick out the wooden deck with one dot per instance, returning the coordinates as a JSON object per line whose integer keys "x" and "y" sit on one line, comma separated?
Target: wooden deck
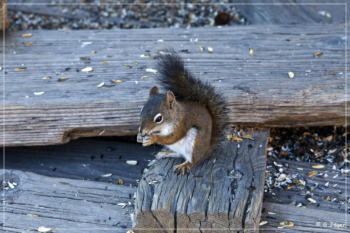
{"x": 68, "y": 103}
{"x": 62, "y": 187}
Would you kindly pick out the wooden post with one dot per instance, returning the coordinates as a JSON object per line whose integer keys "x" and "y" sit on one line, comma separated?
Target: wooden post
{"x": 222, "y": 194}
{"x": 4, "y": 20}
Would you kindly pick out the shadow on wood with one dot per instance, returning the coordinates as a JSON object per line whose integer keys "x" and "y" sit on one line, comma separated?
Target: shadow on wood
{"x": 223, "y": 193}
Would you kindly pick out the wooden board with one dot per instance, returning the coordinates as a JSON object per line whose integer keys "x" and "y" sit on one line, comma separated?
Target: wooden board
{"x": 257, "y": 86}
{"x": 4, "y": 20}
{"x": 65, "y": 205}
{"x": 222, "y": 194}
{"x": 69, "y": 159}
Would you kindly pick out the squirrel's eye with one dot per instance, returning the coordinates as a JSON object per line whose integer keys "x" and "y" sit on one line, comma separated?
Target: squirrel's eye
{"x": 158, "y": 118}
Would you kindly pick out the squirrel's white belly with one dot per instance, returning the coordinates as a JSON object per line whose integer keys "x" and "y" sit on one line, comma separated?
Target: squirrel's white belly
{"x": 185, "y": 145}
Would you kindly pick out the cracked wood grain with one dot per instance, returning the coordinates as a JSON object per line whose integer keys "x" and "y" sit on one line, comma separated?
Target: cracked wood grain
{"x": 221, "y": 194}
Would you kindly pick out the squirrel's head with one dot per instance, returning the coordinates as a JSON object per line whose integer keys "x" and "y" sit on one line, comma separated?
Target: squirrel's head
{"x": 158, "y": 113}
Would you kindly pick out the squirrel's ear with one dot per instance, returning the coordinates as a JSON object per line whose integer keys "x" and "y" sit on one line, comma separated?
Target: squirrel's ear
{"x": 154, "y": 90}
{"x": 170, "y": 97}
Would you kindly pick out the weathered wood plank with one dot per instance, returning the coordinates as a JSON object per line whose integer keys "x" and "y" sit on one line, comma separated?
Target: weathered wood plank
{"x": 84, "y": 159}
{"x": 66, "y": 205}
{"x": 69, "y": 161}
{"x": 222, "y": 194}
{"x": 257, "y": 87}
{"x": 4, "y": 20}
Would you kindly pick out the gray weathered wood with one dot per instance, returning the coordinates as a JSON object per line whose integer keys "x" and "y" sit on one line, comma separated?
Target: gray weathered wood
{"x": 222, "y": 194}
{"x": 73, "y": 161}
{"x": 257, "y": 87}
{"x": 65, "y": 205}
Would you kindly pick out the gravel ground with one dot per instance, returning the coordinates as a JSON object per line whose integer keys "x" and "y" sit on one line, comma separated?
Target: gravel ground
{"x": 98, "y": 14}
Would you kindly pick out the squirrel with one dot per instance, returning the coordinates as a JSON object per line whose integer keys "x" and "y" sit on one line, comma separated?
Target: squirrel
{"x": 189, "y": 118}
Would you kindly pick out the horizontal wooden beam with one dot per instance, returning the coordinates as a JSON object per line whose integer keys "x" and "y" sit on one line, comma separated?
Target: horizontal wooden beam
{"x": 249, "y": 65}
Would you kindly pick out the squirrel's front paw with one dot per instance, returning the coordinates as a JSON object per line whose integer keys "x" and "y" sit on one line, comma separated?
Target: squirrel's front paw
{"x": 183, "y": 168}
{"x": 147, "y": 140}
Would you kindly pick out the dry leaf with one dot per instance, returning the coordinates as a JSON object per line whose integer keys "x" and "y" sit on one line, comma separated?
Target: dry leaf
{"x": 20, "y": 69}
{"x": 39, "y": 93}
{"x": 251, "y": 51}
{"x": 62, "y": 79}
{"x": 44, "y": 229}
{"x": 287, "y": 224}
{"x": 101, "y": 85}
{"x": 87, "y": 69}
{"x": 318, "y": 166}
{"x": 312, "y": 173}
{"x": 291, "y": 75}
{"x": 28, "y": 44}
{"x": 26, "y": 35}
{"x": 131, "y": 162}
{"x": 116, "y": 81}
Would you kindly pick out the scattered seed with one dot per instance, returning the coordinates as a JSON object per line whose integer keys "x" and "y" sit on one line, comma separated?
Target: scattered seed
{"x": 145, "y": 55}
{"x": 62, "y": 79}
{"x": 28, "y": 44}
{"x": 328, "y": 15}
{"x": 87, "y": 69}
{"x": 210, "y": 49}
{"x": 251, "y": 51}
{"x": 25, "y": 35}
{"x": 10, "y": 185}
{"x": 237, "y": 139}
{"x": 120, "y": 181}
{"x": 326, "y": 184}
{"x": 116, "y": 81}
{"x": 150, "y": 70}
{"x": 20, "y": 69}
{"x": 312, "y": 173}
{"x": 121, "y": 204}
{"x": 106, "y": 62}
{"x": 135, "y": 63}
{"x": 44, "y": 229}
{"x": 144, "y": 77}
{"x": 201, "y": 48}
{"x": 33, "y": 215}
{"x": 160, "y": 40}
{"x": 131, "y": 162}
{"x": 101, "y": 84}
{"x": 291, "y": 75}
{"x": 85, "y": 58}
{"x": 262, "y": 223}
{"x": 39, "y": 93}
{"x": 106, "y": 175}
{"x": 287, "y": 224}
{"x": 318, "y": 54}
{"x": 128, "y": 66}
{"x": 93, "y": 51}
{"x": 313, "y": 201}
{"x": 318, "y": 166}
{"x": 46, "y": 78}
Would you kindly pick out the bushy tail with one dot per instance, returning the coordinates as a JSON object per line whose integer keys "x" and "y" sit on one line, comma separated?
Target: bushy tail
{"x": 185, "y": 86}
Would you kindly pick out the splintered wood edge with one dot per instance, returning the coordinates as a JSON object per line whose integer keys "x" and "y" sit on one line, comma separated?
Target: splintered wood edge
{"x": 210, "y": 197}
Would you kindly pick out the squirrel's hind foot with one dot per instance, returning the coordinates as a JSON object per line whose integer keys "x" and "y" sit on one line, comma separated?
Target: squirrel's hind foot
{"x": 183, "y": 168}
